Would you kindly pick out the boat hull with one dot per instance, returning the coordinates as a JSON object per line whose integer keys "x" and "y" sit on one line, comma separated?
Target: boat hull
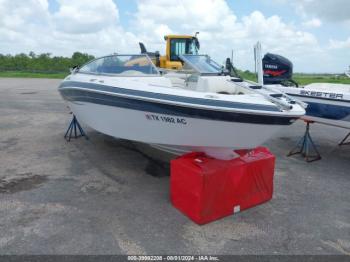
{"x": 189, "y": 133}
{"x": 327, "y": 103}
{"x": 328, "y": 112}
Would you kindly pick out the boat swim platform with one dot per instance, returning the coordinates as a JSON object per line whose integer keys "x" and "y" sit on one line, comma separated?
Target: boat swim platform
{"x": 95, "y": 196}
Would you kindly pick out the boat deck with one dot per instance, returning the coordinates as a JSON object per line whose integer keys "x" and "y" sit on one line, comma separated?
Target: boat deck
{"x": 95, "y": 196}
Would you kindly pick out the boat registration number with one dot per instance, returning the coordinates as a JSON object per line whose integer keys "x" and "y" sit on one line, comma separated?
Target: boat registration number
{"x": 166, "y": 119}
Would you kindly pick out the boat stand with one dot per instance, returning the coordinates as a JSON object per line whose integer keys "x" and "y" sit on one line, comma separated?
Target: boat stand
{"x": 344, "y": 142}
{"x": 74, "y": 126}
{"x": 306, "y": 146}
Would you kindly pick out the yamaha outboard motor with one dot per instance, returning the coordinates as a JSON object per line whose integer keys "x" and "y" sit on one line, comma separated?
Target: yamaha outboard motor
{"x": 277, "y": 70}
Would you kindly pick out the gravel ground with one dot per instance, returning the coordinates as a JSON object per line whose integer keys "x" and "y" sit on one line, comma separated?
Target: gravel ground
{"x": 95, "y": 197}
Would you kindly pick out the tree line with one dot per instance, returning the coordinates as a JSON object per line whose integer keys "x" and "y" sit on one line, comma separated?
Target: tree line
{"x": 42, "y": 62}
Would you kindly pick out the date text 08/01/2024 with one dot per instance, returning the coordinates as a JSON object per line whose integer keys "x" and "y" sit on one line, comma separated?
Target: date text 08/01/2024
{"x": 173, "y": 258}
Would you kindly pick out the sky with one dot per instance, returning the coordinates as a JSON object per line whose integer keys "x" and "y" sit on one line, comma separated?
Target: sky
{"x": 313, "y": 34}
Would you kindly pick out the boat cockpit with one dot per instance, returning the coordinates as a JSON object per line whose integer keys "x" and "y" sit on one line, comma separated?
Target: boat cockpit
{"x": 199, "y": 73}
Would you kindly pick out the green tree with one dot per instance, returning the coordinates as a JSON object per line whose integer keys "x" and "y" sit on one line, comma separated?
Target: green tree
{"x": 44, "y": 62}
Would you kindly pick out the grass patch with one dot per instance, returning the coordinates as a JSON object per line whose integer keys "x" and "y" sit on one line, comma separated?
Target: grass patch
{"x": 56, "y": 75}
{"x": 305, "y": 79}
{"x": 301, "y": 79}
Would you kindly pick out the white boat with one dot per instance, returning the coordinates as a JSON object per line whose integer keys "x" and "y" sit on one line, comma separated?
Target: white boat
{"x": 200, "y": 108}
{"x": 327, "y": 103}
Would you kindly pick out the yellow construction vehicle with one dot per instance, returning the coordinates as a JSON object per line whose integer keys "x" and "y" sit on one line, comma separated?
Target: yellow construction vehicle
{"x": 176, "y": 45}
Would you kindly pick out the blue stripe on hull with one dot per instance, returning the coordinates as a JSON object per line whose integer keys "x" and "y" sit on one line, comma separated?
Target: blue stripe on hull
{"x": 76, "y": 95}
{"x": 334, "y": 112}
{"x": 169, "y": 97}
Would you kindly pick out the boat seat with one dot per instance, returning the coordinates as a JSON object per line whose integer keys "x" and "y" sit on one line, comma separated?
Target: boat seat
{"x": 113, "y": 69}
{"x": 132, "y": 73}
{"x": 177, "y": 82}
{"x": 216, "y": 84}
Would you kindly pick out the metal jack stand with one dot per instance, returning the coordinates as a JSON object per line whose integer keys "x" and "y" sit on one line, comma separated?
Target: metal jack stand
{"x": 74, "y": 126}
{"x": 343, "y": 142}
{"x": 305, "y": 144}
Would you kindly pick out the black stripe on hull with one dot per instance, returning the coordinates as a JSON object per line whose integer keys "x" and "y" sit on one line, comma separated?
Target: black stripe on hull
{"x": 76, "y": 95}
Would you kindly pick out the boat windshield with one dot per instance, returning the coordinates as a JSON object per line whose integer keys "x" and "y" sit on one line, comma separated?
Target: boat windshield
{"x": 202, "y": 64}
{"x": 123, "y": 65}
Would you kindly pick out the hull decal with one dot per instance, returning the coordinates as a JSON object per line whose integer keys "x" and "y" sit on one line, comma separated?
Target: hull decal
{"x": 76, "y": 95}
{"x": 168, "y": 97}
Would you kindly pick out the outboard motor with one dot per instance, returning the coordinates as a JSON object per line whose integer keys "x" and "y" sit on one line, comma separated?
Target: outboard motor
{"x": 277, "y": 69}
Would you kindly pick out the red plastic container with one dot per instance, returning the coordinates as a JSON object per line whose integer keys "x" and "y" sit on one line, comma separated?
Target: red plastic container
{"x": 206, "y": 189}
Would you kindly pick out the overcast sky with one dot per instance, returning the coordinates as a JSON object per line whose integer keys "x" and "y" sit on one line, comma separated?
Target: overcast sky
{"x": 314, "y": 34}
